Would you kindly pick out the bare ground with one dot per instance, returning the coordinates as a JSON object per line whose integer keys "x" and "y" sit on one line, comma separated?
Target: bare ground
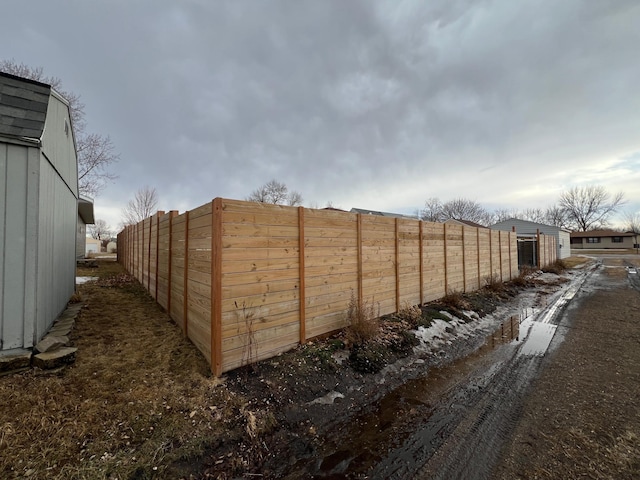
{"x": 140, "y": 402}
{"x": 581, "y": 419}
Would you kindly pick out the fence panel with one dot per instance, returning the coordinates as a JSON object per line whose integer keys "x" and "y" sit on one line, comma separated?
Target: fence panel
{"x": 434, "y": 261}
{"x": 409, "y": 277}
{"x": 379, "y": 262}
{"x": 260, "y": 303}
{"x": 245, "y": 281}
{"x": 331, "y": 269}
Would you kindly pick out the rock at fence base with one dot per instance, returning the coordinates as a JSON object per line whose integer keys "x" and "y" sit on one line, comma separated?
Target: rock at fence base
{"x": 12, "y": 362}
{"x": 51, "y": 343}
{"x": 56, "y": 358}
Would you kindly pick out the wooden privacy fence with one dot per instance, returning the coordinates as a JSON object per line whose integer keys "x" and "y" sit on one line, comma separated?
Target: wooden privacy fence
{"x": 247, "y": 280}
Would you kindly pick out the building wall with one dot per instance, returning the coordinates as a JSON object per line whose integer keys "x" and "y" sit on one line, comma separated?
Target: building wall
{"x": 38, "y": 216}
{"x": 605, "y": 242}
{"x": 19, "y": 172}
{"x": 526, "y": 227}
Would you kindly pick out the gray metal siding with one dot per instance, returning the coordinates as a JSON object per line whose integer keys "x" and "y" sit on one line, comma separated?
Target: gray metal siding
{"x": 38, "y": 219}
{"x": 56, "y": 257}
{"x": 17, "y": 273}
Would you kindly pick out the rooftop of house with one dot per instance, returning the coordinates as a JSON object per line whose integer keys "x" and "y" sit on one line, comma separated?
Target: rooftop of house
{"x": 601, "y": 233}
{"x": 381, "y": 214}
{"x": 23, "y": 106}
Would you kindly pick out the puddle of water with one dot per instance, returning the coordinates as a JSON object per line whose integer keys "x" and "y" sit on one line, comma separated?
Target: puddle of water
{"x": 539, "y": 338}
{"x": 81, "y": 280}
{"x": 393, "y": 420}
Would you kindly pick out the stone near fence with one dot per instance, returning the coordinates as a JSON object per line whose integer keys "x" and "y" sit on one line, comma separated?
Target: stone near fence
{"x": 51, "y": 343}
{"x": 54, "y": 359}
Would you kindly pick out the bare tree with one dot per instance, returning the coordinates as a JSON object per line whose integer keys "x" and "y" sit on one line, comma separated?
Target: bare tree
{"x": 96, "y": 152}
{"x": 464, "y": 209}
{"x": 142, "y": 206}
{"x": 589, "y": 207}
{"x": 555, "y": 216}
{"x": 100, "y": 230}
{"x": 632, "y": 222}
{"x": 432, "y": 211}
{"x": 277, "y": 193}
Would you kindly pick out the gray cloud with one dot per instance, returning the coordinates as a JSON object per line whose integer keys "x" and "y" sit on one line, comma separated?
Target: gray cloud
{"x": 369, "y": 104}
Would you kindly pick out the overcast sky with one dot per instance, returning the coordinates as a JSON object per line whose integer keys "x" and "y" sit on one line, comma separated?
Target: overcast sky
{"x": 368, "y": 104}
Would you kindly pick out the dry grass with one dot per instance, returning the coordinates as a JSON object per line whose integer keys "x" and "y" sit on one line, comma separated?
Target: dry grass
{"x": 573, "y": 262}
{"x": 363, "y": 321}
{"x": 454, "y": 299}
{"x": 138, "y": 399}
{"x": 558, "y": 267}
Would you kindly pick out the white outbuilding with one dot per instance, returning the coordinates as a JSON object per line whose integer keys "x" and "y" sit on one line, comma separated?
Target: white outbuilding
{"x": 526, "y": 228}
{"x": 38, "y": 210}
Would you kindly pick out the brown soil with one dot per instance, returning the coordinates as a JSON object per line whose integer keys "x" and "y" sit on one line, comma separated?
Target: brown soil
{"x": 140, "y": 402}
{"x": 582, "y": 416}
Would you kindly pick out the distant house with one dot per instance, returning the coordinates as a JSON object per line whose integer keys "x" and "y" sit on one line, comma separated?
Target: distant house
{"x": 468, "y": 223}
{"x": 527, "y": 231}
{"x": 85, "y": 217}
{"x": 602, "y": 239}
{"x": 381, "y": 214}
{"x": 38, "y": 210}
{"x": 93, "y": 245}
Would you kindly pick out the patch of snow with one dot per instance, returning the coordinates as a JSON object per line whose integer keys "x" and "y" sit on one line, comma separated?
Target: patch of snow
{"x": 81, "y": 280}
{"x": 327, "y": 399}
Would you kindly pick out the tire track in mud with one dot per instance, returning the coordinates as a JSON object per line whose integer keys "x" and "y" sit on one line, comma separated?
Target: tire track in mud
{"x": 463, "y": 438}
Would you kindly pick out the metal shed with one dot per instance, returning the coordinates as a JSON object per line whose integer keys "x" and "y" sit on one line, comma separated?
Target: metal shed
{"x": 527, "y": 229}
{"x": 38, "y": 210}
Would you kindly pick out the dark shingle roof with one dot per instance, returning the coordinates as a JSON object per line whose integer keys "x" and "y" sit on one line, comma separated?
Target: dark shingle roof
{"x": 23, "y": 106}
{"x": 601, "y": 233}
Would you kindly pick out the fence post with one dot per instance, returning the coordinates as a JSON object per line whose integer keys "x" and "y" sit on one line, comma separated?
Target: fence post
{"x": 185, "y": 296}
{"x": 160, "y": 212}
{"x": 538, "y": 248}
{"x": 172, "y": 215}
{"x": 303, "y": 310}
{"x": 359, "y": 234}
{"x": 397, "y": 262}
{"x": 421, "y": 257}
{"x": 446, "y": 278}
{"x": 216, "y": 287}
{"x": 491, "y": 254}
{"x": 149, "y": 256}
{"x": 464, "y": 263}
{"x": 478, "y": 253}
{"x": 500, "y": 253}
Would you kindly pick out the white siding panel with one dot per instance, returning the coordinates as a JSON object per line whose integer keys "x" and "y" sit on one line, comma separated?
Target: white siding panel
{"x": 56, "y": 257}
{"x": 13, "y": 206}
{"x": 58, "y": 145}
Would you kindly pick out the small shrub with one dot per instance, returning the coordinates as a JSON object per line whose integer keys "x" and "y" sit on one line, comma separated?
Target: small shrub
{"x": 412, "y": 314}
{"x": 523, "y": 279}
{"x": 363, "y": 321}
{"x": 493, "y": 283}
{"x": 369, "y": 358}
{"x": 556, "y": 267}
{"x": 454, "y": 299}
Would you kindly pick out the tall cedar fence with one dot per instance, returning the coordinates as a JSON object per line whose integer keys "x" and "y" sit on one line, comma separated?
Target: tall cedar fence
{"x": 246, "y": 281}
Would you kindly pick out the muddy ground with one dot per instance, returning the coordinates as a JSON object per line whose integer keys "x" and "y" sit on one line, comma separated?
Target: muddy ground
{"x": 140, "y": 403}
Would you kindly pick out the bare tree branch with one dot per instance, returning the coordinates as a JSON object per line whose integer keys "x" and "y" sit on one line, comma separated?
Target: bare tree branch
{"x": 100, "y": 230}
{"x": 277, "y": 193}
{"x": 96, "y": 152}
{"x": 589, "y": 207}
{"x": 142, "y": 206}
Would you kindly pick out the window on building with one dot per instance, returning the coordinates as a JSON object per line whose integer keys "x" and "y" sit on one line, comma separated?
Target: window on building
{"x": 593, "y": 239}
{"x": 616, "y": 239}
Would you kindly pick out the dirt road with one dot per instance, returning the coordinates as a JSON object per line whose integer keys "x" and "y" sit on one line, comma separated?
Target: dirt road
{"x": 581, "y": 419}
{"x": 563, "y": 403}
